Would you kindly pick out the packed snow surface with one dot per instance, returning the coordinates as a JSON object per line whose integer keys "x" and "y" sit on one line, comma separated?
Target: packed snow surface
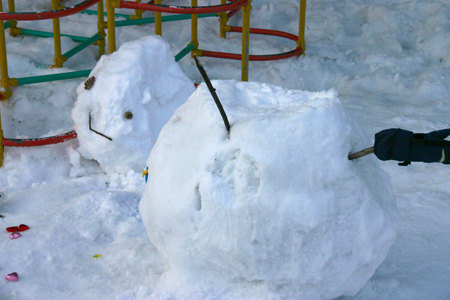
{"x": 276, "y": 202}
{"x": 388, "y": 61}
{"x": 136, "y": 90}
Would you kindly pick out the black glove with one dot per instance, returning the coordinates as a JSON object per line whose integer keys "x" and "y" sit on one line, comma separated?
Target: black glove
{"x": 403, "y": 145}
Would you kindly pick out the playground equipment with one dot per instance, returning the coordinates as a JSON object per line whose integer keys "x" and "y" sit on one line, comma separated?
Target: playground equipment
{"x": 225, "y": 10}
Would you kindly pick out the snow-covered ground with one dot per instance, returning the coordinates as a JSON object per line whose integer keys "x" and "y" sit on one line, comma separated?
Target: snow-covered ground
{"x": 389, "y": 63}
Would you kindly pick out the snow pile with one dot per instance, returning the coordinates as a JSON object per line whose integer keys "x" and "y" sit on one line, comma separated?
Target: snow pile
{"x": 277, "y": 206}
{"x": 135, "y": 91}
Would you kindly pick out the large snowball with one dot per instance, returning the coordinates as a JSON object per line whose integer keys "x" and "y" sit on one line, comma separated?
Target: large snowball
{"x": 276, "y": 206}
{"x": 143, "y": 78}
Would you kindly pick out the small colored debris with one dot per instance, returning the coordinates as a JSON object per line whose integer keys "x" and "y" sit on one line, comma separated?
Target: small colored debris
{"x": 21, "y": 227}
{"x": 97, "y": 255}
{"x": 145, "y": 174}
{"x": 15, "y": 235}
{"x": 12, "y": 277}
{"x": 12, "y": 229}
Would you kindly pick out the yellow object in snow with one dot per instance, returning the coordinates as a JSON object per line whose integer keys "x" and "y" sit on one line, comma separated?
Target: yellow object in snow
{"x": 97, "y": 255}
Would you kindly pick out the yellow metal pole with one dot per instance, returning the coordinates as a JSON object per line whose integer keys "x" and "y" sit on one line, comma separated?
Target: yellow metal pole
{"x": 223, "y": 21}
{"x": 4, "y": 77}
{"x": 301, "y": 32}
{"x": 158, "y": 21}
{"x": 59, "y": 59}
{"x": 111, "y": 21}
{"x": 245, "y": 40}
{"x": 194, "y": 28}
{"x": 12, "y": 8}
{"x": 2, "y": 149}
{"x": 101, "y": 29}
{"x": 137, "y": 13}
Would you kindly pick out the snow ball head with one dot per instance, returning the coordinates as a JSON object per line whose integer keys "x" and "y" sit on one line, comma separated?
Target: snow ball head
{"x": 277, "y": 203}
{"x": 128, "y": 97}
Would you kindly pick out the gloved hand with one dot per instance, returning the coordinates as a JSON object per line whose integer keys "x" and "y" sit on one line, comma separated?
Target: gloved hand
{"x": 403, "y": 145}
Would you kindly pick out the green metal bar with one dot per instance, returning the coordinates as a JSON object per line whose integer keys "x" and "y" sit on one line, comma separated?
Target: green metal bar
{"x": 94, "y": 12}
{"x": 82, "y": 46}
{"x": 53, "y": 77}
{"x": 7, "y": 25}
{"x": 45, "y": 34}
{"x": 164, "y": 19}
{"x": 83, "y": 73}
{"x": 184, "y": 52}
{"x": 135, "y": 22}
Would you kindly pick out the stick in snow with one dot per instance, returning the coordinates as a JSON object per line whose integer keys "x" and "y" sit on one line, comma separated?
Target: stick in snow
{"x": 212, "y": 90}
{"x": 361, "y": 153}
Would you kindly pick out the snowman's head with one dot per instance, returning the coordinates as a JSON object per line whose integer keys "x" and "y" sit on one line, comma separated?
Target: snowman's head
{"x": 125, "y": 102}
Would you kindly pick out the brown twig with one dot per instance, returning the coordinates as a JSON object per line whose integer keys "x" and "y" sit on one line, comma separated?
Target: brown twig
{"x": 99, "y": 133}
{"x": 361, "y": 153}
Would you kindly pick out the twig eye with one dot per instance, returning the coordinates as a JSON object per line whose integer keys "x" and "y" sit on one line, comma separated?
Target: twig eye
{"x": 89, "y": 83}
{"x": 128, "y": 115}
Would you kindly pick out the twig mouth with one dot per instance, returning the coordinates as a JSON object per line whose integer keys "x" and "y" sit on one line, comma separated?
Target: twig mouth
{"x": 99, "y": 133}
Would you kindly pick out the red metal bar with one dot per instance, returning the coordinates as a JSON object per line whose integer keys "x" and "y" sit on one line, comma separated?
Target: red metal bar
{"x": 267, "y": 57}
{"x": 232, "y": 13}
{"x": 39, "y": 141}
{"x": 267, "y": 32}
{"x": 49, "y": 14}
{"x": 184, "y": 9}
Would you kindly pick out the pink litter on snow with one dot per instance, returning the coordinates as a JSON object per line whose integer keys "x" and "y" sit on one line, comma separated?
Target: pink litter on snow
{"x": 15, "y": 235}
{"x": 12, "y": 277}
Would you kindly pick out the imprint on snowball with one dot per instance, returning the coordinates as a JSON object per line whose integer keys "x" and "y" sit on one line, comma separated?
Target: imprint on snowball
{"x": 239, "y": 172}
